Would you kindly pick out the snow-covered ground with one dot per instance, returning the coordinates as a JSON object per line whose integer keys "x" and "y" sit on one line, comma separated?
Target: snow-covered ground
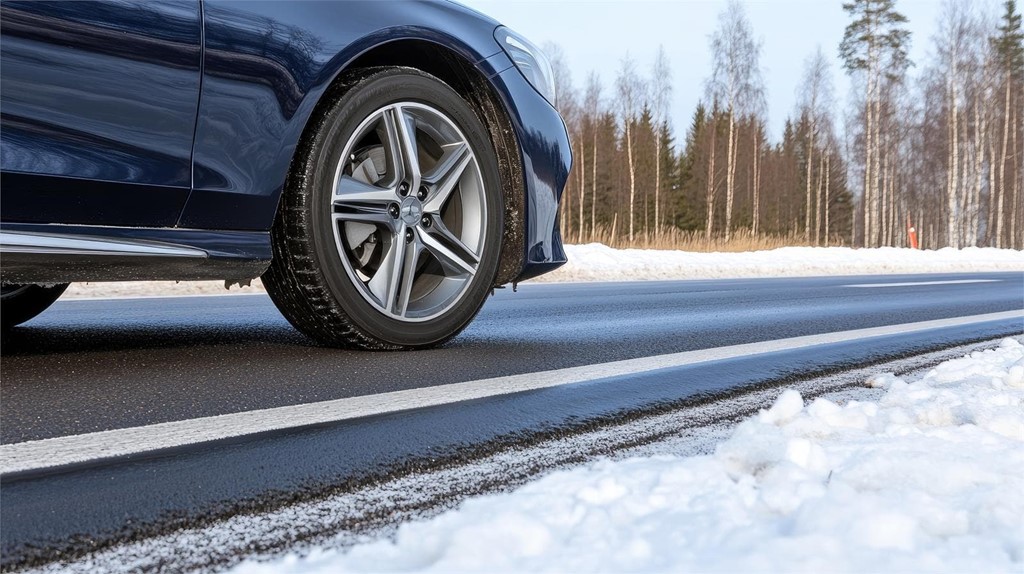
{"x": 928, "y": 478}
{"x": 596, "y": 262}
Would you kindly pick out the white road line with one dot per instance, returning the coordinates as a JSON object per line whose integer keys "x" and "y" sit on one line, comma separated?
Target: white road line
{"x": 915, "y": 283}
{"x": 57, "y": 451}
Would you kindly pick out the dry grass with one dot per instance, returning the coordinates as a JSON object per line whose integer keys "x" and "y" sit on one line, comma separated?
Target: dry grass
{"x": 675, "y": 239}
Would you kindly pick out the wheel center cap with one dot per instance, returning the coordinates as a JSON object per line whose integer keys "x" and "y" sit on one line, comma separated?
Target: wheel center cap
{"x": 411, "y": 210}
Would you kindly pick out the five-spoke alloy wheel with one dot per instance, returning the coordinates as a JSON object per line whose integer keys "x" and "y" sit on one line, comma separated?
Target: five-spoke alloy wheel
{"x": 409, "y": 211}
{"x": 390, "y": 229}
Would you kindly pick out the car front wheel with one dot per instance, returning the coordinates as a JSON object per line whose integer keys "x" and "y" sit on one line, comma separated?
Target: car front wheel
{"x": 389, "y": 232}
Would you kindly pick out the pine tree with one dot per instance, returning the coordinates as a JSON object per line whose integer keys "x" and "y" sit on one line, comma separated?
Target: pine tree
{"x": 1009, "y": 51}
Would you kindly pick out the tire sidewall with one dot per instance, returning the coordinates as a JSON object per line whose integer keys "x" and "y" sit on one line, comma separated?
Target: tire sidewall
{"x": 367, "y": 96}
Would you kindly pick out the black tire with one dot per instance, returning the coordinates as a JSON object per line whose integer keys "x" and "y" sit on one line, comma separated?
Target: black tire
{"x": 307, "y": 278}
{"x": 19, "y": 303}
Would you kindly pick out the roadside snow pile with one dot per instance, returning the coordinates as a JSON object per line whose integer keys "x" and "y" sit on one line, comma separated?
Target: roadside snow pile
{"x": 597, "y": 262}
{"x": 929, "y": 478}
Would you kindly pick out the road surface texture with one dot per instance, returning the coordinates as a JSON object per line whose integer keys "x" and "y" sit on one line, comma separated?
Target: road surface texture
{"x": 131, "y": 418}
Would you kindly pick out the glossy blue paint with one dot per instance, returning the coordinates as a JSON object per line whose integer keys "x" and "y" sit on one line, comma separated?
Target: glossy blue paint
{"x": 256, "y": 72}
{"x": 217, "y": 244}
{"x": 547, "y": 157}
{"x": 98, "y": 92}
{"x": 267, "y": 66}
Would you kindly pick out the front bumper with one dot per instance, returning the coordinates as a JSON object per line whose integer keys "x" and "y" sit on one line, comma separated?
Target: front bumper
{"x": 546, "y": 156}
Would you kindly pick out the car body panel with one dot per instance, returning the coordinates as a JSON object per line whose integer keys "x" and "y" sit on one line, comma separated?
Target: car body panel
{"x": 265, "y": 67}
{"x": 98, "y": 92}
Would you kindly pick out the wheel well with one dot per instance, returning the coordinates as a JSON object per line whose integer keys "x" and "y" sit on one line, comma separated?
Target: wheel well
{"x": 471, "y": 84}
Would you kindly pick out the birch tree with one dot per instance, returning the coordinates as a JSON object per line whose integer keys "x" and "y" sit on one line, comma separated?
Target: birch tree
{"x": 952, "y": 47}
{"x": 630, "y": 91}
{"x": 735, "y": 83}
{"x": 661, "y": 92}
{"x": 816, "y": 100}
{"x": 591, "y": 110}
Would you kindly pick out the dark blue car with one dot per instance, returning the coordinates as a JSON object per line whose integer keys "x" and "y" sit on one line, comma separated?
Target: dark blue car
{"x": 381, "y": 165}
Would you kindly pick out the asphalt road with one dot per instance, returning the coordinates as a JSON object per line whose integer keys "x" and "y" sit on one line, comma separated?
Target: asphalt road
{"x": 93, "y": 365}
{"x": 103, "y": 365}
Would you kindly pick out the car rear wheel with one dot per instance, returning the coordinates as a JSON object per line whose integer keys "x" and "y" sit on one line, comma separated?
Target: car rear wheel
{"x": 389, "y": 232}
{"x": 19, "y": 303}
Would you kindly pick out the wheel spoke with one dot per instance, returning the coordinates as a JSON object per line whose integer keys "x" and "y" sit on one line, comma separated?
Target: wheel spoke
{"x": 446, "y": 174}
{"x": 368, "y": 216}
{"x": 449, "y": 251}
{"x": 412, "y": 256}
{"x": 386, "y": 281}
{"x": 359, "y": 202}
{"x": 401, "y": 135}
{"x": 352, "y": 190}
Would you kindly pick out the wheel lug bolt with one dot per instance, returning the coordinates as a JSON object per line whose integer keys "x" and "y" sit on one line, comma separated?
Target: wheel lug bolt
{"x": 393, "y": 210}
{"x": 426, "y": 221}
{"x": 422, "y": 193}
{"x": 408, "y": 236}
{"x": 403, "y": 188}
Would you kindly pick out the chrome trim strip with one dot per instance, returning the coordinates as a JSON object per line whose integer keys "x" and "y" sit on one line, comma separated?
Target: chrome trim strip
{"x": 60, "y": 244}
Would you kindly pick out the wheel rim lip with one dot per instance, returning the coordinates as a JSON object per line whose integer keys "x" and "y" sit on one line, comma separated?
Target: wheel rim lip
{"x": 472, "y": 170}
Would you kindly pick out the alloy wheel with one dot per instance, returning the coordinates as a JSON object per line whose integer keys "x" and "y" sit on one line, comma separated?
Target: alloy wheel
{"x": 408, "y": 211}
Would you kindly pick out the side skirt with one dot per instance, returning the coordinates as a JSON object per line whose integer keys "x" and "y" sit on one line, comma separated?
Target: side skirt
{"x": 43, "y": 254}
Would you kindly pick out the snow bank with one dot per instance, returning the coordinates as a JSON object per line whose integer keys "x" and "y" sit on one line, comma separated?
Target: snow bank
{"x": 596, "y": 262}
{"x": 929, "y": 478}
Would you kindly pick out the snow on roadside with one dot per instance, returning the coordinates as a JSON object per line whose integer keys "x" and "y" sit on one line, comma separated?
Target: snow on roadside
{"x": 928, "y": 478}
{"x": 596, "y": 262}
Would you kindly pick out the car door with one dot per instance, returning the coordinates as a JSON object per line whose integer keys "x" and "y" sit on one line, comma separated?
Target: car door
{"x": 98, "y": 104}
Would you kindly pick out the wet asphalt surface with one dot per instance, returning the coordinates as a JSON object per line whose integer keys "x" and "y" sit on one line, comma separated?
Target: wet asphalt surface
{"x": 95, "y": 365}
{"x": 86, "y": 366}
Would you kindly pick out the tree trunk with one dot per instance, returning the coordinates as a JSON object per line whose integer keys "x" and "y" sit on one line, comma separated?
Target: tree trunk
{"x": 583, "y": 185}
{"x": 632, "y": 176}
{"x": 657, "y": 183}
{"x": 979, "y": 159}
{"x": 990, "y": 239}
{"x": 875, "y": 171}
{"x": 710, "y": 194}
{"x": 828, "y": 173}
{"x": 730, "y": 175}
{"x": 893, "y": 203}
{"x": 1000, "y": 216}
{"x": 885, "y": 200}
{"x": 810, "y": 162}
{"x": 817, "y": 202}
{"x": 868, "y": 140}
{"x": 757, "y": 181}
{"x": 593, "y": 189}
{"x": 952, "y": 167}
{"x": 1016, "y": 241}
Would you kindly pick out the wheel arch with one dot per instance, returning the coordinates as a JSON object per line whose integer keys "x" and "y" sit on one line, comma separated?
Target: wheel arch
{"x": 457, "y": 69}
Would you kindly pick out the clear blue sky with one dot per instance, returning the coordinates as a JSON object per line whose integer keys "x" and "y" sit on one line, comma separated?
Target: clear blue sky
{"x": 595, "y": 35}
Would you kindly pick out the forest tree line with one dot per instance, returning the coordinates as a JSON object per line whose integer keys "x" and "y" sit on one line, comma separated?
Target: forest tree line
{"x": 938, "y": 145}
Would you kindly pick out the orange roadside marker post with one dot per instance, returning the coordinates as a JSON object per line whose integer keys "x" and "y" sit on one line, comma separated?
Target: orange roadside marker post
{"x": 912, "y": 235}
